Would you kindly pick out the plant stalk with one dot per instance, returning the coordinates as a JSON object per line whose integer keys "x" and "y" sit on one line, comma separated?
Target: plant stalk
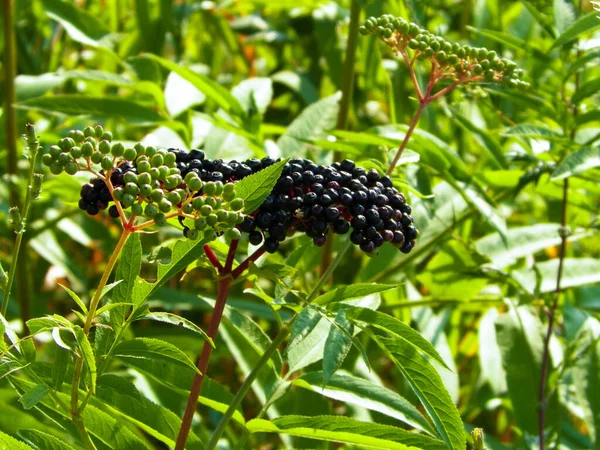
{"x": 413, "y": 124}
{"x": 266, "y": 356}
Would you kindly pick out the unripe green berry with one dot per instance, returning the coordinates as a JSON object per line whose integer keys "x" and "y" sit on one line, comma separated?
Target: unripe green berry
{"x": 127, "y": 200}
{"x": 461, "y": 53}
{"x": 362, "y": 30}
{"x": 157, "y": 160}
{"x": 76, "y": 152}
{"x": 107, "y": 163}
{"x": 88, "y": 131}
{"x": 143, "y": 166}
{"x": 170, "y": 159}
{"x": 132, "y": 188}
{"x": 117, "y": 150}
{"x": 154, "y": 173}
{"x": 165, "y": 205}
{"x": 200, "y": 224}
{"x": 441, "y": 56}
{"x": 78, "y": 136}
{"x": 485, "y": 64}
{"x": 140, "y": 150}
{"x": 209, "y": 188}
{"x": 144, "y": 178}
{"x": 237, "y": 204}
{"x": 71, "y": 168}
{"x": 96, "y": 157}
{"x": 47, "y": 159}
{"x": 387, "y": 33}
{"x": 218, "y": 188}
{"x": 160, "y": 219}
{"x": 188, "y": 208}
{"x": 99, "y": 131}
{"x": 198, "y": 203}
{"x": 212, "y": 220}
{"x": 54, "y": 151}
{"x": 107, "y": 135}
{"x": 413, "y": 29}
{"x": 150, "y": 210}
{"x": 87, "y": 149}
{"x": 233, "y": 234}
{"x": 163, "y": 171}
{"x": 239, "y": 218}
{"x": 172, "y": 181}
{"x": 130, "y": 177}
{"x": 193, "y": 235}
{"x": 118, "y": 194}
{"x": 228, "y": 196}
{"x": 157, "y": 195}
{"x": 68, "y": 144}
{"x": 145, "y": 190}
{"x": 482, "y": 53}
{"x": 477, "y": 69}
{"x": 205, "y": 210}
{"x": 222, "y": 215}
{"x": 137, "y": 209}
{"x": 174, "y": 197}
{"x": 150, "y": 151}
{"x": 129, "y": 154}
{"x": 56, "y": 168}
{"x": 104, "y": 147}
{"x": 64, "y": 158}
{"x": 452, "y": 59}
{"x": 211, "y": 201}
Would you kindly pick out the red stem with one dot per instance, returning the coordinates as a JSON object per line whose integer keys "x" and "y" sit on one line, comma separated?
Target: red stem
{"x": 231, "y": 255}
{"x": 244, "y": 265}
{"x": 213, "y": 258}
{"x": 213, "y": 328}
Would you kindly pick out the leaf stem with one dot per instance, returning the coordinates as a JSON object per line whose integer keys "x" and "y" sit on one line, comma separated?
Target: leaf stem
{"x": 244, "y": 265}
{"x": 409, "y": 132}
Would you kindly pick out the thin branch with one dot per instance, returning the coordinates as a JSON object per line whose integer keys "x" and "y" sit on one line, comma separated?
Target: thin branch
{"x": 213, "y": 258}
{"x": 244, "y": 265}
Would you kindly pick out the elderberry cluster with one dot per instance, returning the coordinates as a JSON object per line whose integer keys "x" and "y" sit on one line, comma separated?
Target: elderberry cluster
{"x": 461, "y": 62}
{"x": 315, "y": 199}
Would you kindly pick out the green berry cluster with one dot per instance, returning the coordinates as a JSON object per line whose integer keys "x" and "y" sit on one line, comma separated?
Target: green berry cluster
{"x": 462, "y": 62}
{"x": 144, "y": 181}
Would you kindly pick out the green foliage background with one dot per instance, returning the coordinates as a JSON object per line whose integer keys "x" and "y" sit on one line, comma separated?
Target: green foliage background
{"x": 484, "y": 172}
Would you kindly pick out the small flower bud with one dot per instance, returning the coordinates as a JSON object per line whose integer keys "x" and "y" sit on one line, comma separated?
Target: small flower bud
{"x": 15, "y": 219}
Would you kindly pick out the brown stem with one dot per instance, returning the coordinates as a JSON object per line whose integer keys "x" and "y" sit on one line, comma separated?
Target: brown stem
{"x": 213, "y": 258}
{"x": 186, "y": 422}
{"x": 244, "y": 265}
{"x": 411, "y": 128}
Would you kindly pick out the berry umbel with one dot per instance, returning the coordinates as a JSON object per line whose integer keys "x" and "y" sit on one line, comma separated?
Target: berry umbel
{"x": 308, "y": 198}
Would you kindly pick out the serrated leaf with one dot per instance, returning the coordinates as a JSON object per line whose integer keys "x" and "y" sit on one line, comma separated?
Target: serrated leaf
{"x": 577, "y": 162}
{"x": 304, "y": 323}
{"x": 582, "y": 25}
{"x": 352, "y": 291}
{"x": 112, "y": 306}
{"x": 520, "y": 337}
{"x": 346, "y": 430}
{"x": 312, "y": 122}
{"x": 586, "y": 90}
{"x": 62, "y": 358}
{"x": 40, "y": 324}
{"x": 576, "y": 272}
{"x": 154, "y": 349}
{"x": 43, "y": 441}
{"x": 365, "y": 393}
{"x": 428, "y": 387}
{"x": 178, "y": 321}
{"x": 10, "y": 443}
{"x": 99, "y": 107}
{"x": 75, "y": 298}
{"x": 109, "y": 287}
{"x": 337, "y": 345}
{"x": 527, "y": 130}
{"x": 127, "y": 271}
{"x": 155, "y": 420}
{"x": 34, "y": 395}
{"x": 87, "y": 353}
{"x": 397, "y": 328}
{"x": 256, "y": 187}
{"x": 213, "y": 90}
{"x": 104, "y": 426}
{"x": 82, "y": 26}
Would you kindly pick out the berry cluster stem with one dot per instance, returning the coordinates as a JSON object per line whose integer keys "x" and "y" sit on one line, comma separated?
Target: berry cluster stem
{"x": 226, "y": 279}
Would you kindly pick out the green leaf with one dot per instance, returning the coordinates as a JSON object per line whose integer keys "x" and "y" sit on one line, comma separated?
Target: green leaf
{"x": 100, "y": 107}
{"x": 87, "y": 353}
{"x": 576, "y": 272}
{"x": 520, "y": 337}
{"x": 582, "y": 25}
{"x": 43, "y": 441}
{"x": 428, "y": 387}
{"x": 346, "y": 430}
{"x": 564, "y": 16}
{"x": 178, "y": 321}
{"x": 183, "y": 253}
{"x": 155, "y": 349}
{"x": 365, "y": 393}
{"x": 540, "y": 18}
{"x": 45, "y": 323}
{"x": 120, "y": 396}
{"x": 527, "y": 130}
{"x": 337, "y": 345}
{"x": 82, "y": 26}
{"x": 586, "y": 90}
{"x": 75, "y": 298}
{"x": 104, "y": 426}
{"x": 312, "y": 123}
{"x": 10, "y": 443}
{"x": 352, "y": 291}
{"x": 62, "y": 358}
{"x": 521, "y": 242}
{"x": 128, "y": 269}
{"x": 397, "y": 328}
{"x": 590, "y": 116}
{"x": 256, "y": 187}
{"x": 586, "y": 374}
{"x": 298, "y": 82}
{"x": 305, "y": 322}
{"x": 577, "y": 162}
{"x": 34, "y": 395}
{"x": 503, "y": 38}
{"x": 490, "y": 359}
{"x": 213, "y": 90}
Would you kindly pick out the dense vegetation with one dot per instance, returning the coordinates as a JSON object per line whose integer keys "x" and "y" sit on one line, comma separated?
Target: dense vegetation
{"x": 191, "y": 179}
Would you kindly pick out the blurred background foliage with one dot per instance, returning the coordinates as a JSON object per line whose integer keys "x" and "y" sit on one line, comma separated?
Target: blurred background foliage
{"x": 480, "y": 172}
